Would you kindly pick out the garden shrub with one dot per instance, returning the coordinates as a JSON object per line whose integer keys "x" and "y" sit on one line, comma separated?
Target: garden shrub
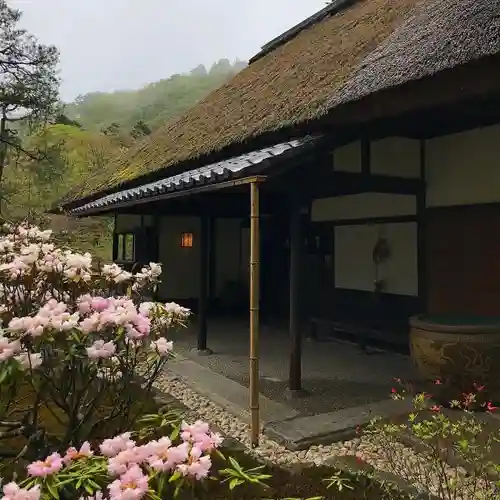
{"x": 75, "y": 339}
{"x": 443, "y": 453}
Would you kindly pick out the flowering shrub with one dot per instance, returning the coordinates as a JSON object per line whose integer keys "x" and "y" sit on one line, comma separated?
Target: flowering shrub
{"x": 72, "y": 344}
{"x": 121, "y": 468}
{"x": 440, "y": 451}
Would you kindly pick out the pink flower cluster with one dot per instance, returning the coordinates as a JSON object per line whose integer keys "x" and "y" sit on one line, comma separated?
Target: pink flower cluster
{"x": 98, "y": 319}
{"x": 12, "y": 491}
{"x": 113, "y": 312}
{"x": 162, "y": 346}
{"x": 27, "y": 250}
{"x": 53, "y": 315}
{"x": 94, "y": 315}
{"x": 130, "y": 465}
{"x": 12, "y": 349}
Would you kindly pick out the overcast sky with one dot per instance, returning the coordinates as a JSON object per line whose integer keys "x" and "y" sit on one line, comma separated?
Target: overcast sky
{"x": 122, "y": 44}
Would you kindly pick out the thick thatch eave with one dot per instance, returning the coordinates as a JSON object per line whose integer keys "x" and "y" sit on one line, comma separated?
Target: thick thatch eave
{"x": 369, "y": 46}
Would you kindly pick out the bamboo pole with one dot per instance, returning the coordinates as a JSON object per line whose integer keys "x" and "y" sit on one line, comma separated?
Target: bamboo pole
{"x": 254, "y": 313}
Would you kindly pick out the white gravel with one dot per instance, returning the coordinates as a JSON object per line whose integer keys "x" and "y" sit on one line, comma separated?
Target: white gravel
{"x": 269, "y": 450}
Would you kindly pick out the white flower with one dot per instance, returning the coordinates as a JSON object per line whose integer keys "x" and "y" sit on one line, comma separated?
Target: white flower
{"x": 26, "y": 360}
{"x": 162, "y": 346}
{"x": 155, "y": 269}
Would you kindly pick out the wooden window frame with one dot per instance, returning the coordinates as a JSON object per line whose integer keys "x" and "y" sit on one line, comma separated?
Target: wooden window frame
{"x": 121, "y": 247}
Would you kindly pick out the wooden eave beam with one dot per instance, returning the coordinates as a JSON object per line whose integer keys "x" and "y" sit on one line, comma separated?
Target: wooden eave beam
{"x": 333, "y": 183}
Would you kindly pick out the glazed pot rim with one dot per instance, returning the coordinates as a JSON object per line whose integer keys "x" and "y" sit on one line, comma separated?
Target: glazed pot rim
{"x": 419, "y": 321}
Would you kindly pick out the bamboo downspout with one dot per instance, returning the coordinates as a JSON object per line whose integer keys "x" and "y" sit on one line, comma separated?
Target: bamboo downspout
{"x": 254, "y": 313}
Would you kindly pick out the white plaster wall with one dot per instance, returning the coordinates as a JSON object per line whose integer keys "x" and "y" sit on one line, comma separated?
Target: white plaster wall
{"x": 396, "y": 156}
{"x": 464, "y": 169}
{"x": 181, "y": 266}
{"x": 363, "y": 205}
{"x": 129, "y": 222}
{"x": 354, "y": 267}
{"x": 348, "y": 158}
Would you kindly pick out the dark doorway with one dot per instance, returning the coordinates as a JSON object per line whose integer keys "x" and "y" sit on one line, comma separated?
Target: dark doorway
{"x": 274, "y": 268}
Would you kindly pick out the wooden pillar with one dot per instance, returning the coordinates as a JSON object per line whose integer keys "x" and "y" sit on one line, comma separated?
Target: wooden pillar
{"x": 421, "y": 233}
{"x": 295, "y": 375}
{"x": 203, "y": 292}
{"x": 115, "y": 242}
{"x": 155, "y": 253}
{"x": 254, "y": 312}
{"x": 211, "y": 260}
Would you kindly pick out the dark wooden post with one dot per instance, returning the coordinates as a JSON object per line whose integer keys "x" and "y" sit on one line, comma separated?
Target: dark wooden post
{"x": 155, "y": 251}
{"x": 115, "y": 242}
{"x": 295, "y": 375}
{"x": 211, "y": 261}
{"x": 421, "y": 233}
{"x": 203, "y": 292}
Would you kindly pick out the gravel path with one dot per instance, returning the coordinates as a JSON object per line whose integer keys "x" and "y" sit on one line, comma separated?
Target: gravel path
{"x": 201, "y": 407}
{"x": 235, "y": 428}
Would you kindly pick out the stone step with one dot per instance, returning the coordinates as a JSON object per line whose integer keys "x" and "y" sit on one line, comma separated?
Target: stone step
{"x": 225, "y": 392}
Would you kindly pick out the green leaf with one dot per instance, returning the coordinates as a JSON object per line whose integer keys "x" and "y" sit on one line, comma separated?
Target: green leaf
{"x": 234, "y": 482}
{"x": 88, "y": 489}
{"x": 175, "y": 476}
{"x": 54, "y": 493}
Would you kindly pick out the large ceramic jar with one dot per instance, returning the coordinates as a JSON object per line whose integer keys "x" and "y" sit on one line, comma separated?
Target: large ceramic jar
{"x": 462, "y": 352}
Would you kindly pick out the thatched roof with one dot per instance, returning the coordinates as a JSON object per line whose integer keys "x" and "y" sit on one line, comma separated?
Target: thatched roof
{"x": 366, "y": 46}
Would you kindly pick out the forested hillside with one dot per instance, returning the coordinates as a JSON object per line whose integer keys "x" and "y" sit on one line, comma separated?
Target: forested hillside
{"x": 155, "y": 103}
{"x": 85, "y": 135}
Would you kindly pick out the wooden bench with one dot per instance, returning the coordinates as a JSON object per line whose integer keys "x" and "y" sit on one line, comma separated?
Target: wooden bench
{"x": 363, "y": 317}
{"x": 364, "y": 335}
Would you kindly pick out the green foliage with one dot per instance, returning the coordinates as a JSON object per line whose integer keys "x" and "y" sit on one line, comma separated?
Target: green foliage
{"x": 43, "y": 164}
{"x": 446, "y": 453}
{"x": 140, "y": 129}
{"x": 65, "y": 155}
{"x": 152, "y": 105}
{"x": 29, "y": 85}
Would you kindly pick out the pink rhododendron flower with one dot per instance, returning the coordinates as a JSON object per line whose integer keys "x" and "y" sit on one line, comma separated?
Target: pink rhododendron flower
{"x": 164, "y": 456}
{"x": 133, "y": 485}
{"x": 73, "y": 454}
{"x": 145, "y": 308}
{"x": 90, "y": 324}
{"x": 29, "y": 360}
{"x": 189, "y": 430}
{"x": 84, "y": 304}
{"x": 177, "y": 310}
{"x": 101, "y": 349}
{"x": 12, "y": 491}
{"x": 43, "y": 468}
{"x": 162, "y": 346}
{"x": 8, "y": 348}
{"x": 199, "y": 435}
{"x": 115, "y": 273}
{"x": 154, "y": 269}
{"x": 119, "y": 464}
{"x": 20, "y": 324}
{"x": 99, "y": 304}
{"x": 198, "y": 465}
{"x": 97, "y": 496}
{"x": 111, "y": 447}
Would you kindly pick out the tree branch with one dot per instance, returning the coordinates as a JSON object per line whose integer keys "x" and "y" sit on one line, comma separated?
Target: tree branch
{"x": 27, "y": 153}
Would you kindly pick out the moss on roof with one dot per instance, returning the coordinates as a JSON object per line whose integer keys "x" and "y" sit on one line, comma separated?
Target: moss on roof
{"x": 352, "y": 53}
